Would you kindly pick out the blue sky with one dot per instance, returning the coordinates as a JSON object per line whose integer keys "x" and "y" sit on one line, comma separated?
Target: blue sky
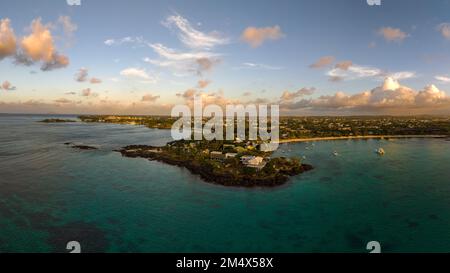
{"x": 263, "y": 49}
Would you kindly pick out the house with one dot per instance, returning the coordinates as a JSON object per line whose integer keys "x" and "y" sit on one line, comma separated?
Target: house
{"x": 217, "y": 155}
{"x": 256, "y": 162}
{"x": 230, "y": 155}
{"x": 228, "y": 146}
{"x": 246, "y": 158}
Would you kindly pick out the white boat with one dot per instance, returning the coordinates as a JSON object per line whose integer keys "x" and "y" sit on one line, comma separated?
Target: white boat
{"x": 335, "y": 153}
{"x": 380, "y": 151}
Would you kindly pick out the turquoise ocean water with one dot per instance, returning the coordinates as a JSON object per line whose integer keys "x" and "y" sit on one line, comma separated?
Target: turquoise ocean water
{"x": 51, "y": 194}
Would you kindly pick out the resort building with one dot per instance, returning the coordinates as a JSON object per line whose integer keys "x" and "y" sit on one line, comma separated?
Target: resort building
{"x": 217, "y": 156}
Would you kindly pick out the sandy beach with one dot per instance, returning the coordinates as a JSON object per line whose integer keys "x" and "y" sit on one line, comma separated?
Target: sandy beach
{"x": 359, "y": 137}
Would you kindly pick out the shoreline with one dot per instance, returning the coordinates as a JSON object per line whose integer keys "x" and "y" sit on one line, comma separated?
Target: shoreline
{"x": 293, "y": 140}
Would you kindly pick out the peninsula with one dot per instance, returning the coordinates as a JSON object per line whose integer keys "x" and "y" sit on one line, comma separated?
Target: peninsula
{"x": 223, "y": 162}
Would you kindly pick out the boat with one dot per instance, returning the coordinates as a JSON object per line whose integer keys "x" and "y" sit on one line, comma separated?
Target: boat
{"x": 380, "y": 151}
{"x": 335, "y": 153}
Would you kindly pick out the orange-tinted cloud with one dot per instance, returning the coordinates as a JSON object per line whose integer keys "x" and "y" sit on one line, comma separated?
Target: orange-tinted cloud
{"x": 390, "y": 97}
{"x": 7, "y": 39}
{"x": 323, "y": 62}
{"x": 39, "y": 46}
{"x": 95, "y": 80}
{"x": 257, "y": 36}
{"x": 6, "y": 85}
{"x": 288, "y": 96}
{"x": 150, "y": 98}
{"x": 203, "y": 83}
{"x": 392, "y": 34}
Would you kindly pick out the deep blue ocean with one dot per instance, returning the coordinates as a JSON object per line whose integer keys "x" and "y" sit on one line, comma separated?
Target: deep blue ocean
{"x": 51, "y": 194}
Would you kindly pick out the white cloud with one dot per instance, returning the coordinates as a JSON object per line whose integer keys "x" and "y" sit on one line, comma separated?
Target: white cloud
{"x": 138, "y": 73}
{"x": 196, "y": 61}
{"x": 444, "y": 79}
{"x": 249, "y": 65}
{"x": 137, "y": 41}
{"x": 351, "y": 71}
{"x": 192, "y": 37}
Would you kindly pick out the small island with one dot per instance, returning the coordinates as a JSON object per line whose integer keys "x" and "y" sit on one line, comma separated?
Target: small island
{"x": 223, "y": 162}
{"x": 57, "y": 120}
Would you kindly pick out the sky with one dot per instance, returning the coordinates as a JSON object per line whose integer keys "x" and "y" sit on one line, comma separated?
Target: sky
{"x": 320, "y": 57}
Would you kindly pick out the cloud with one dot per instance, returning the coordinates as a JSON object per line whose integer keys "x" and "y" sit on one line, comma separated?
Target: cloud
{"x": 199, "y": 56}
{"x": 150, "y": 98}
{"x": 444, "y": 79}
{"x": 349, "y": 71}
{"x": 203, "y": 83}
{"x": 258, "y": 66}
{"x": 137, "y": 41}
{"x": 39, "y": 46}
{"x": 289, "y": 96}
{"x": 70, "y": 93}
{"x": 68, "y": 26}
{"x": 8, "y": 40}
{"x": 444, "y": 29}
{"x": 192, "y": 37}
{"x": 390, "y": 97}
{"x": 205, "y": 65}
{"x": 6, "y": 85}
{"x": 392, "y": 34}
{"x": 63, "y": 101}
{"x": 344, "y": 65}
{"x": 138, "y": 73}
{"x": 188, "y": 94}
{"x": 57, "y": 61}
{"x": 323, "y": 62}
{"x": 191, "y": 62}
{"x": 247, "y": 94}
{"x": 86, "y": 92}
{"x": 36, "y": 47}
{"x": 95, "y": 80}
{"x": 82, "y": 75}
{"x": 255, "y": 37}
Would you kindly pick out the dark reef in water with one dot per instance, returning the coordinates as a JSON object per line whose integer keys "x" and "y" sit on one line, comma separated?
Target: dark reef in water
{"x": 81, "y": 147}
{"x": 57, "y": 120}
